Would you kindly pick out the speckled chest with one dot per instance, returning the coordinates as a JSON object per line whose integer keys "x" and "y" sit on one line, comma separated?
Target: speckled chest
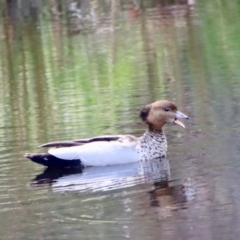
{"x": 152, "y": 145}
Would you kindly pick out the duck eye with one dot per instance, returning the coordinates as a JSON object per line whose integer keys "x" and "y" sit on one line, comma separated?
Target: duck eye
{"x": 167, "y": 109}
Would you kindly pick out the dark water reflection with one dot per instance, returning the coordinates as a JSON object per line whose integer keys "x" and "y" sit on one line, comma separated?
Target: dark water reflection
{"x": 69, "y": 71}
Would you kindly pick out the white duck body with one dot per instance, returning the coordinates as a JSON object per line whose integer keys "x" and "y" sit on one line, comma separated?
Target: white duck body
{"x": 116, "y": 149}
{"x": 126, "y": 149}
{"x": 101, "y": 153}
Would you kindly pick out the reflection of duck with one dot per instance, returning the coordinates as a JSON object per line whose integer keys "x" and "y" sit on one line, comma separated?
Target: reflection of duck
{"x": 90, "y": 179}
{"x": 118, "y": 149}
{"x": 168, "y": 196}
{"x": 105, "y": 178}
{"x": 150, "y": 177}
{"x": 166, "y": 193}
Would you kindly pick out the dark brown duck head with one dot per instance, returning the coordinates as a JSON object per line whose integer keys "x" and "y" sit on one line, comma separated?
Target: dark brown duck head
{"x": 160, "y": 112}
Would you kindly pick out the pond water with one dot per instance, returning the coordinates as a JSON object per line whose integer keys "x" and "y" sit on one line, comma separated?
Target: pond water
{"x": 79, "y": 69}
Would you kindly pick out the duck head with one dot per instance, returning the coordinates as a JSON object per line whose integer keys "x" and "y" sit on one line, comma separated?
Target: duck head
{"x": 160, "y": 112}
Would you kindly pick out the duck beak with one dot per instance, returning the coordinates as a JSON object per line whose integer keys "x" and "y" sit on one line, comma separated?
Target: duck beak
{"x": 180, "y": 115}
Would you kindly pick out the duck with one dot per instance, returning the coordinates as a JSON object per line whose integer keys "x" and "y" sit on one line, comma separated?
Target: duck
{"x": 115, "y": 149}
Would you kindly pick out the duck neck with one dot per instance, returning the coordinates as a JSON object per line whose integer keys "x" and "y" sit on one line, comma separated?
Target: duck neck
{"x": 153, "y": 130}
{"x": 153, "y": 144}
{"x": 154, "y": 136}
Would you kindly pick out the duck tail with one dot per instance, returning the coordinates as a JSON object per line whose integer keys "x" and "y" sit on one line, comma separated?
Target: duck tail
{"x": 51, "y": 161}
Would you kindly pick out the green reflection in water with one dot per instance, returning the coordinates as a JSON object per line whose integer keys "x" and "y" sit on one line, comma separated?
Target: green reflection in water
{"x": 57, "y": 83}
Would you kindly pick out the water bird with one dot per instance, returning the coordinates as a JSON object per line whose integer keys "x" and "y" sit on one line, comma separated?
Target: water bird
{"x": 115, "y": 149}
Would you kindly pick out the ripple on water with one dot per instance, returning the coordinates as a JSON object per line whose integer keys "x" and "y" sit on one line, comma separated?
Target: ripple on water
{"x": 113, "y": 196}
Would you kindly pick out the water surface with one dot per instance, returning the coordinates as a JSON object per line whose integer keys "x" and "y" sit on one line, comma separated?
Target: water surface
{"x": 69, "y": 71}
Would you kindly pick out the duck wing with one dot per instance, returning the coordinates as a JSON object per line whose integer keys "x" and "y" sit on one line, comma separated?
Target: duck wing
{"x": 61, "y": 144}
{"x": 79, "y": 142}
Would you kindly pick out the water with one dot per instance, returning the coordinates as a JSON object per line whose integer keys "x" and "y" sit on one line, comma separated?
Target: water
{"x": 65, "y": 76}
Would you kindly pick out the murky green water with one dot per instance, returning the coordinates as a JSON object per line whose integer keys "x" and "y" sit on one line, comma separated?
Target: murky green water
{"x": 66, "y": 74}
